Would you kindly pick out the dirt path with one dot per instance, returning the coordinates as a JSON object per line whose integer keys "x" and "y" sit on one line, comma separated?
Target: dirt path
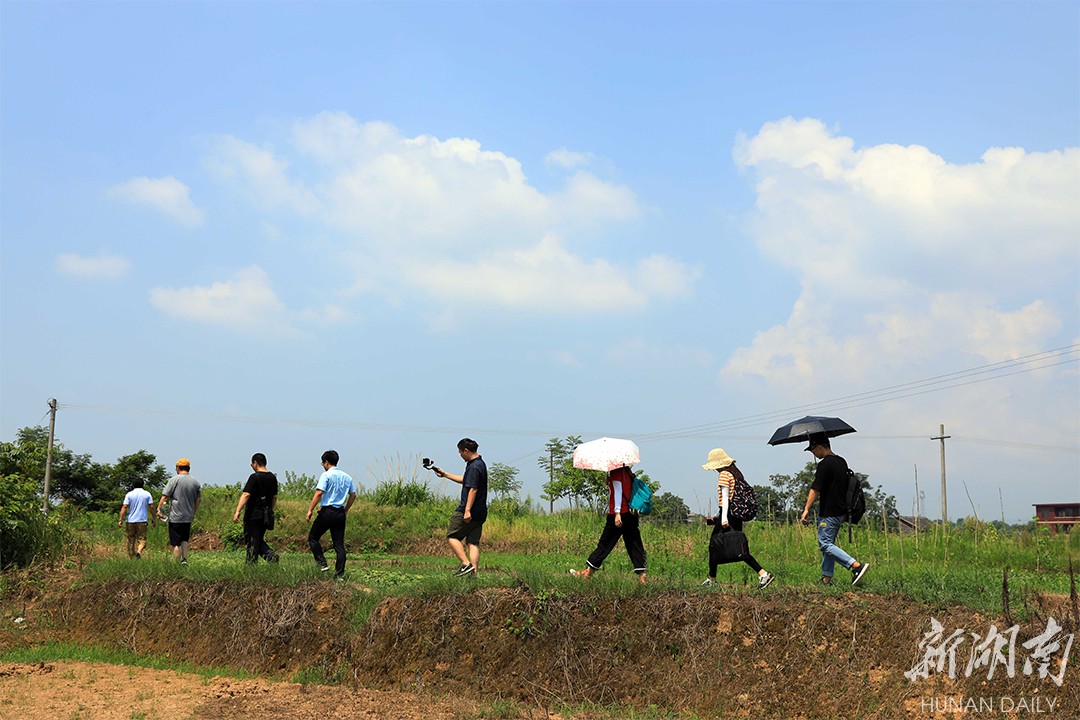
{"x": 96, "y": 691}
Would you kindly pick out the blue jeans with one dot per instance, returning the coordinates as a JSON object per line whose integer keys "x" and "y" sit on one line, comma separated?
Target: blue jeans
{"x": 831, "y": 553}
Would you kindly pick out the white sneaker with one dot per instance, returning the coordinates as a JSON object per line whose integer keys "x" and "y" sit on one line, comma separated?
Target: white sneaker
{"x": 765, "y": 580}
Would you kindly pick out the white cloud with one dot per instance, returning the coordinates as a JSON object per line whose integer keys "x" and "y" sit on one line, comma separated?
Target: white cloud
{"x": 566, "y": 358}
{"x": 859, "y": 217}
{"x": 422, "y": 213}
{"x": 903, "y": 255}
{"x": 245, "y": 302}
{"x": 263, "y": 176}
{"x": 548, "y": 277}
{"x": 567, "y": 159}
{"x": 167, "y": 195}
{"x": 913, "y": 267}
{"x": 103, "y": 267}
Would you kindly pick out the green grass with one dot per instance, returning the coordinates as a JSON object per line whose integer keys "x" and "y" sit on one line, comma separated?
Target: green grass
{"x": 53, "y": 651}
{"x": 961, "y": 566}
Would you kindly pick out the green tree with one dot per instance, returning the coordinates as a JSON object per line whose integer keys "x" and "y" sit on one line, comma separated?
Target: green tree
{"x": 791, "y": 492}
{"x": 74, "y": 477}
{"x": 879, "y": 505}
{"x": 565, "y": 480}
{"x": 503, "y": 482}
{"x": 669, "y": 508}
{"x": 77, "y": 479}
{"x": 770, "y": 505}
{"x": 116, "y": 480}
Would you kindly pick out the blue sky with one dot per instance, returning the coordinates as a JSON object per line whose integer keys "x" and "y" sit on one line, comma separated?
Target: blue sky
{"x": 380, "y": 227}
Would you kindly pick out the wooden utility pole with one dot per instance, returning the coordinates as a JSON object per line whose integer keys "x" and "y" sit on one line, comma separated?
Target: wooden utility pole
{"x": 944, "y": 500}
{"x": 918, "y": 508}
{"x": 48, "y": 455}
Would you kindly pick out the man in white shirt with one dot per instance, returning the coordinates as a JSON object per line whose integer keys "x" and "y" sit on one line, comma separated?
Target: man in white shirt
{"x": 137, "y": 507}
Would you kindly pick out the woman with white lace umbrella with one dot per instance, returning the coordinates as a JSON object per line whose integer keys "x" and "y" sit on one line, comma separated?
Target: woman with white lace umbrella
{"x": 615, "y": 457}
{"x": 606, "y": 454}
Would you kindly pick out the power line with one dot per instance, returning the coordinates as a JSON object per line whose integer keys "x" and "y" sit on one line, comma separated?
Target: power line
{"x": 937, "y": 383}
{"x": 894, "y": 392}
{"x": 342, "y": 424}
{"x": 1020, "y": 445}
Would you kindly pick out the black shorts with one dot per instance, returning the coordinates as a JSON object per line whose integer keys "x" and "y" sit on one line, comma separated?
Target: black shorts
{"x": 179, "y": 533}
{"x": 468, "y": 531}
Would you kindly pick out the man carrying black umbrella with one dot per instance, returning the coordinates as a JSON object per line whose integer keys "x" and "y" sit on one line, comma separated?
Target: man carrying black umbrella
{"x": 830, "y": 484}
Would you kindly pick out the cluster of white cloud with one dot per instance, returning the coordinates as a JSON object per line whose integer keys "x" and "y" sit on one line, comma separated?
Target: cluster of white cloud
{"x": 450, "y": 219}
{"x": 901, "y": 254}
{"x": 246, "y": 299}
{"x": 898, "y": 251}
{"x": 246, "y": 302}
{"x": 167, "y": 195}
{"x": 103, "y": 267}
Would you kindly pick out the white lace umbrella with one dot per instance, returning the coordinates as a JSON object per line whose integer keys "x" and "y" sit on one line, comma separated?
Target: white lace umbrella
{"x": 606, "y": 454}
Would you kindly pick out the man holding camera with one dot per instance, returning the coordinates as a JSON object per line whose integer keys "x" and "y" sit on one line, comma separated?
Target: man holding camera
{"x": 467, "y": 522}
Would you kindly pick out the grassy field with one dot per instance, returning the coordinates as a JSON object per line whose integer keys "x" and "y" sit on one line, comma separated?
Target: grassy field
{"x": 399, "y": 549}
{"x": 400, "y": 575}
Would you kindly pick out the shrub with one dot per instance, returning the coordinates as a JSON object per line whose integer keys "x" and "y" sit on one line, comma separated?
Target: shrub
{"x": 26, "y": 534}
{"x": 403, "y": 493}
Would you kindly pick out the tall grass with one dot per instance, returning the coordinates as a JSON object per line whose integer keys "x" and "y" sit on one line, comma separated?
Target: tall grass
{"x": 403, "y": 514}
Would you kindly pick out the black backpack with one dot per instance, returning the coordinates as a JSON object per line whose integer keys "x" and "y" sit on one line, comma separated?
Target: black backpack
{"x": 854, "y": 498}
{"x": 743, "y": 504}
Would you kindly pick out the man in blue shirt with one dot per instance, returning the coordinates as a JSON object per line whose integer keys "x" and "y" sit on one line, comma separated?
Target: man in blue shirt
{"x": 467, "y": 522}
{"x": 335, "y": 492}
{"x": 137, "y": 506}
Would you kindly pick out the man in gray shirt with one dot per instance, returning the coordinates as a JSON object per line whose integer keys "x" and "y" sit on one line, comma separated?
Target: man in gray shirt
{"x": 185, "y": 495}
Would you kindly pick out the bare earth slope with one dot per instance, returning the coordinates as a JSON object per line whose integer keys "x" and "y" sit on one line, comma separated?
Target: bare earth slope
{"x": 729, "y": 654}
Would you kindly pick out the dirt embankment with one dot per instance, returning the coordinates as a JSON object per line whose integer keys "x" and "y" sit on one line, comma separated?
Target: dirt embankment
{"x": 787, "y": 654}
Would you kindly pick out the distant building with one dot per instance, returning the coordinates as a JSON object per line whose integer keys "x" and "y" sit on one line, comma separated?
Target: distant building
{"x": 909, "y": 523}
{"x": 1059, "y": 516}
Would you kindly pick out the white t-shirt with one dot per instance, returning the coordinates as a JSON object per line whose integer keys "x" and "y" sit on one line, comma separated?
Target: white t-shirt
{"x": 138, "y": 502}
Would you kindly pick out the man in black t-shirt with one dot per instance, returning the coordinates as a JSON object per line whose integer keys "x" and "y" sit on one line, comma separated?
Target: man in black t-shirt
{"x": 467, "y": 522}
{"x": 258, "y": 501}
{"x": 830, "y": 484}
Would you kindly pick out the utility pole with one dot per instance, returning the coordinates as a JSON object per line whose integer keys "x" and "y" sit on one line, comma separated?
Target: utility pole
{"x": 918, "y": 509}
{"x": 48, "y": 455}
{"x": 944, "y": 501}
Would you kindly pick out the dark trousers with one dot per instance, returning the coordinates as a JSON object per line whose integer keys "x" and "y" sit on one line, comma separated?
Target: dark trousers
{"x": 255, "y": 537}
{"x": 332, "y": 519}
{"x": 630, "y": 532}
{"x": 748, "y": 558}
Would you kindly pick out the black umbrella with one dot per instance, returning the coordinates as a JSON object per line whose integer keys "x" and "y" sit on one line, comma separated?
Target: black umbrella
{"x": 801, "y": 429}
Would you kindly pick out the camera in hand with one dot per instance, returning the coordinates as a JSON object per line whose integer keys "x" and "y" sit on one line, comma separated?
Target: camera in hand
{"x": 428, "y": 465}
